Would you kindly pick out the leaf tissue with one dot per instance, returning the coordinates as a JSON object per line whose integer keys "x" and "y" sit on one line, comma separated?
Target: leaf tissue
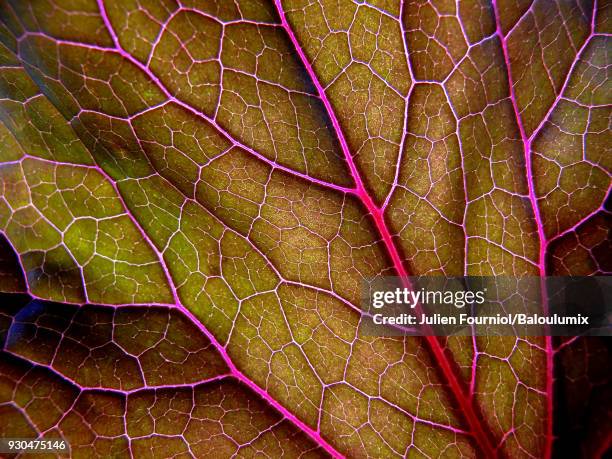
{"x": 192, "y": 193}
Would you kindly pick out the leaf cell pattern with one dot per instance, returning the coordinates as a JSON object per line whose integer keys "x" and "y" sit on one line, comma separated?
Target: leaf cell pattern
{"x": 193, "y": 191}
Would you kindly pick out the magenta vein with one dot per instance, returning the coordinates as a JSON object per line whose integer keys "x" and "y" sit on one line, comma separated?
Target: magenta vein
{"x": 171, "y": 98}
{"x": 479, "y": 430}
{"x": 542, "y": 239}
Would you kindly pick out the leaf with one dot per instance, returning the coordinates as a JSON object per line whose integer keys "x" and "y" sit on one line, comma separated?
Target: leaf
{"x": 193, "y": 192}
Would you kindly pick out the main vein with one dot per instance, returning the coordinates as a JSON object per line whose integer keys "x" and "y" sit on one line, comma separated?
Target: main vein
{"x": 479, "y": 430}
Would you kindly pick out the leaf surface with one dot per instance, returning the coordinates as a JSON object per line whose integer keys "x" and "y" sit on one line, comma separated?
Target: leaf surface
{"x": 193, "y": 192}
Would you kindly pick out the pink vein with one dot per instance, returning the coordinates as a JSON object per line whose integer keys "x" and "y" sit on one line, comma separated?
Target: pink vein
{"x": 540, "y": 228}
{"x": 313, "y": 434}
{"x": 543, "y": 242}
{"x": 118, "y": 49}
{"x": 477, "y": 428}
